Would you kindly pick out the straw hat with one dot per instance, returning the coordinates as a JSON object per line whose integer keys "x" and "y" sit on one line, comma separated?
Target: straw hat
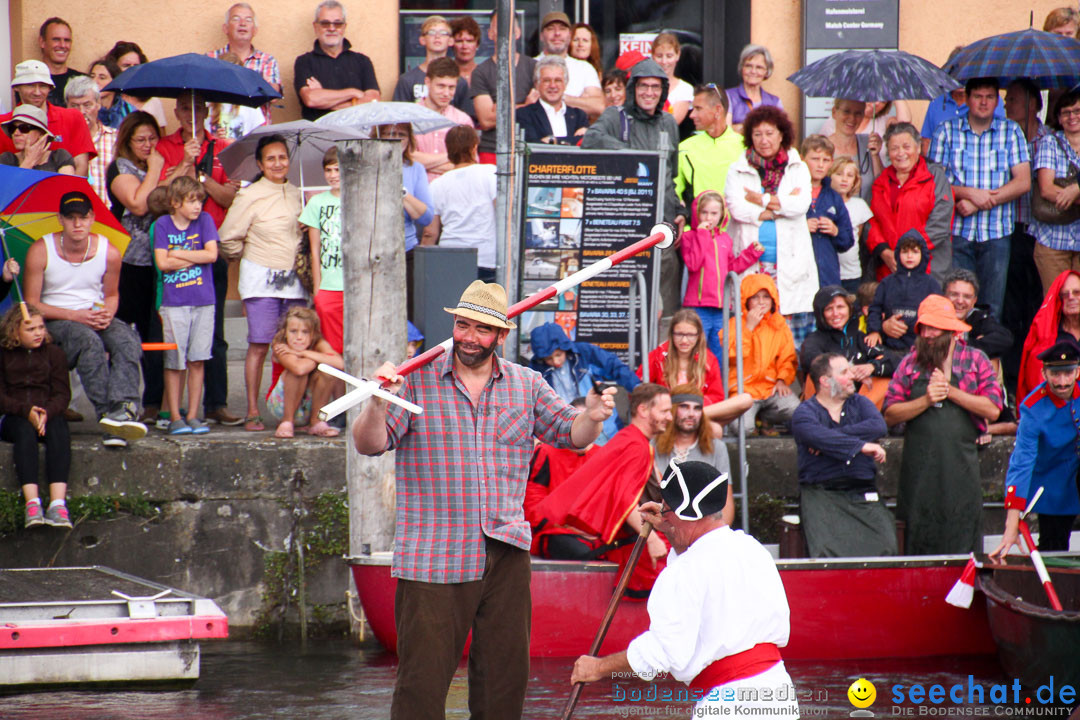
{"x": 483, "y": 302}
{"x": 937, "y": 311}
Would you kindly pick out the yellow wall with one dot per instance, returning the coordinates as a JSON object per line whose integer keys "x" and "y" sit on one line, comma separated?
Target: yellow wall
{"x": 928, "y": 28}
{"x": 169, "y": 28}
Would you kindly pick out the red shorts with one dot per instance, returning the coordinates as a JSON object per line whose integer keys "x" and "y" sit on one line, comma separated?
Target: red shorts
{"x": 330, "y": 307}
{"x": 486, "y": 158}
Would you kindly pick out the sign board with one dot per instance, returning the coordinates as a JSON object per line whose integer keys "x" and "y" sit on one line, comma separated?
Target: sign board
{"x": 581, "y": 206}
{"x": 642, "y": 42}
{"x": 830, "y": 26}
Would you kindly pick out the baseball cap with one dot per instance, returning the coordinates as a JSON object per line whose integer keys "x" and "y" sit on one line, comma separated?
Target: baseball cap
{"x": 75, "y": 203}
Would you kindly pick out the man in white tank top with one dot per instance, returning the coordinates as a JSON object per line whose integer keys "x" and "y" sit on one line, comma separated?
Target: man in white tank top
{"x": 72, "y": 277}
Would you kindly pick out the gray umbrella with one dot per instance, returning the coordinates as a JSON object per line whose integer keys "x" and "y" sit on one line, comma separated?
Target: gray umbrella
{"x": 874, "y": 76}
{"x": 362, "y": 118}
{"x": 307, "y": 144}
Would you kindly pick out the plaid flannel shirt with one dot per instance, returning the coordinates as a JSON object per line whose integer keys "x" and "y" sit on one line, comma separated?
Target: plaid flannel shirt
{"x": 983, "y": 161}
{"x": 261, "y": 62}
{"x": 1055, "y": 153}
{"x": 973, "y": 372}
{"x": 105, "y": 144}
{"x": 461, "y": 471}
{"x": 1023, "y": 203}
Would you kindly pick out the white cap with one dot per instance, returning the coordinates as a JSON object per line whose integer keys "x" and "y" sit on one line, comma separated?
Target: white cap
{"x": 32, "y": 71}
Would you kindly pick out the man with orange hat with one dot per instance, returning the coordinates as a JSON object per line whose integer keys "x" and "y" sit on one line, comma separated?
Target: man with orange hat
{"x": 945, "y": 391}
{"x": 461, "y": 544}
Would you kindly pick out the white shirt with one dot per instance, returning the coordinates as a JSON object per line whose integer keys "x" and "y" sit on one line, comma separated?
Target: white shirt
{"x": 556, "y": 118}
{"x": 720, "y": 597}
{"x": 859, "y": 212}
{"x": 582, "y": 75}
{"x": 464, "y": 201}
{"x": 680, "y": 91}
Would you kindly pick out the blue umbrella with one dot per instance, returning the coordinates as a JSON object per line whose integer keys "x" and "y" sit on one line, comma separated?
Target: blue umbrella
{"x": 215, "y": 80}
{"x": 874, "y": 76}
{"x": 369, "y": 115}
{"x": 1050, "y": 60}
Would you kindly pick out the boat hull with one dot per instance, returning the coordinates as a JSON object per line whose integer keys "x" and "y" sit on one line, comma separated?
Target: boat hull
{"x": 840, "y": 609}
{"x": 1034, "y": 643}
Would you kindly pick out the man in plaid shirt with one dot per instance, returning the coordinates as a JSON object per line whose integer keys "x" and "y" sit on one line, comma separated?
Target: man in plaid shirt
{"x": 989, "y": 167}
{"x": 462, "y": 542}
{"x": 240, "y": 27}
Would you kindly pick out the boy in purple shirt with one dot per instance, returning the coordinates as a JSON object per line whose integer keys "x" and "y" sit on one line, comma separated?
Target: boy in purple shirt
{"x": 185, "y": 248}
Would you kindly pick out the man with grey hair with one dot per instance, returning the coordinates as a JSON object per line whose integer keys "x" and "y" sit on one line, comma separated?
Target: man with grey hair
{"x": 332, "y": 75}
{"x": 961, "y": 286}
{"x": 240, "y": 28}
{"x": 81, "y": 93}
{"x": 550, "y": 119}
{"x": 582, "y": 83}
{"x": 835, "y": 433}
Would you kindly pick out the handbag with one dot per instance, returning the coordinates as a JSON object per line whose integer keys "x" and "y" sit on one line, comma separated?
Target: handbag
{"x": 1046, "y": 211}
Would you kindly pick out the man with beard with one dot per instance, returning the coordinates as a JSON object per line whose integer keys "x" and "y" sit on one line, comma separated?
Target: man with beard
{"x": 601, "y": 498}
{"x": 688, "y": 438}
{"x": 836, "y": 433}
{"x": 1045, "y": 453}
{"x": 946, "y": 392}
{"x": 462, "y": 542}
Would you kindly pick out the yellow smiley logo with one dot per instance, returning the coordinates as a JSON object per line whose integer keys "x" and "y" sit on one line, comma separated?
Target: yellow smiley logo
{"x": 862, "y": 693}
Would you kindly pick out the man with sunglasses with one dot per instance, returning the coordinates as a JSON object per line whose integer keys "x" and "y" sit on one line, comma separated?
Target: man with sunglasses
{"x": 332, "y": 75}
{"x": 705, "y": 156}
{"x": 697, "y": 612}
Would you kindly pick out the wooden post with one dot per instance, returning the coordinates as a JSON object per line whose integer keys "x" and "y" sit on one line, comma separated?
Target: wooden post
{"x": 373, "y": 250}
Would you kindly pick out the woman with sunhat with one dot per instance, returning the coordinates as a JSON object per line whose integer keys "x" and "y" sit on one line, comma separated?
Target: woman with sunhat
{"x": 28, "y": 129}
{"x": 945, "y": 391}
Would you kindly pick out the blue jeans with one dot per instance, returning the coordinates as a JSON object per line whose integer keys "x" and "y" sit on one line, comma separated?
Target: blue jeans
{"x": 989, "y": 260}
{"x": 712, "y": 319}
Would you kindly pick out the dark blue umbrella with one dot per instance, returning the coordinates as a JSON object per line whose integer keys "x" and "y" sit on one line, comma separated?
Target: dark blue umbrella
{"x": 1050, "y": 60}
{"x": 215, "y": 80}
{"x": 874, "y": 76}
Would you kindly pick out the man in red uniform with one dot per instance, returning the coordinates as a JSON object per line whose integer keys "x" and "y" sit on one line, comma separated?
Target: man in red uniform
{"x": 602, "y": 497}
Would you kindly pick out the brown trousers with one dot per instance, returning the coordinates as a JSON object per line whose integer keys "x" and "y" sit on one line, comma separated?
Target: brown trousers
{"x": 1052, "y": 263}
{"x": 433, "y": 621}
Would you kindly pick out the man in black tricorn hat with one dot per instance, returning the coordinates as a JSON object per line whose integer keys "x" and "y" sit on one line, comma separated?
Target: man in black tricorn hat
{"x": 1047, "y": 453}
{"x": 718, "y": 613}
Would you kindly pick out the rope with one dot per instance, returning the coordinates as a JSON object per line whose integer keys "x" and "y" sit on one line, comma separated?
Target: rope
{"x": 361, "y": 621}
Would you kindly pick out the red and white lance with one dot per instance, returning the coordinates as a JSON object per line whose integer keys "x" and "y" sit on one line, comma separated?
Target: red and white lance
{"x": 661, "y": 236}
{"x": 1036, "y": 557}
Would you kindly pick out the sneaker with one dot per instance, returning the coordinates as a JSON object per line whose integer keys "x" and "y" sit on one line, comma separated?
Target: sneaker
{"x": 222, "y": 416}
{"x": 33, "y": 515}
{"x": 57, "y": 516}
{"x": 116, "y": 441}
{"x": 162, "y": 423}
{"x": 198, "y": 427}
{"x": 122, "y": 422}
{"x": 149, "y": 413}
{"x": 179, "y": 427}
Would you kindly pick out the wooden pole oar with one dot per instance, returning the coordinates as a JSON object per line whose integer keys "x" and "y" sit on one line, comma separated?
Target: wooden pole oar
{"x": 1036, "y": 557}
{"x": 613, "y": 606}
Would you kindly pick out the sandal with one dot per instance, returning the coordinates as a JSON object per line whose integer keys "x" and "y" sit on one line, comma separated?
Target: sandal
{"x": 284, "y": 430}
{"x": 323, "y": 429}
{"x": 253, "y": 423}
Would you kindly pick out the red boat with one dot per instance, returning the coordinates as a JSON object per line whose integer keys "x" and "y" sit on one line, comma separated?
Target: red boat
{"x": 849, "y": 608}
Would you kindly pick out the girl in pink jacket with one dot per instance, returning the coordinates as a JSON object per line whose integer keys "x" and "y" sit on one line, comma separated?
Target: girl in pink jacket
{"x": 707, "y": 252}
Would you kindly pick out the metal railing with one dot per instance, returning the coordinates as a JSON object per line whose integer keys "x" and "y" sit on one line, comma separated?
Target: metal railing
{"x": 638, "y": 297}
{"x": 729, "y": 306}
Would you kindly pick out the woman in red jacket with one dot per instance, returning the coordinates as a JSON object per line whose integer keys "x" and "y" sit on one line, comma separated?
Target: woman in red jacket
{"x": 1058, "y": 319}
{"x": 685, "y": 358}
{"x": 34, "y": 391}
{"x": 910, "y": 194}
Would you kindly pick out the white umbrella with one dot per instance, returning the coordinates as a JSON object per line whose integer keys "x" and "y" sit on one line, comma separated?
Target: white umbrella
{"x": 307, "y": 143}
{"x": 362, "y": 118}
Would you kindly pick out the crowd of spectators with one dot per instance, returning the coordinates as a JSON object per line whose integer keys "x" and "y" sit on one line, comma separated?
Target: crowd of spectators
{"x": 865, "y": 244}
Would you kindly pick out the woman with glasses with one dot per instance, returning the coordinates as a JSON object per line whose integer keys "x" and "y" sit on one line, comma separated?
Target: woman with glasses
{"x": 416, "y": 200}
{"x": 1058, "y": 319}
{"x": 262, "y": 229}
{"x": 755, "y": 67}
{"x": 684, "y": 358}
{"x": 1057, "y": 155}
{"x": 131, "y": 177}
{"x": 28, "y": 129}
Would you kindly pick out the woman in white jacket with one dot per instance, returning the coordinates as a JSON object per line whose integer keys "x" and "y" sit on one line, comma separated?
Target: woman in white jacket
{"x": 768, "y": 193}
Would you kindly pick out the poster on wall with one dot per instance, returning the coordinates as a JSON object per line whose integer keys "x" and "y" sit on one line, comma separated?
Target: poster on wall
{"x": 579, "y": 207}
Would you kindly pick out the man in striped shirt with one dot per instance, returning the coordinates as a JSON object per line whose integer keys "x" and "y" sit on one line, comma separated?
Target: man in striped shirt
{"x": 462, "y": 542}
{"x": 988, "y": 164}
